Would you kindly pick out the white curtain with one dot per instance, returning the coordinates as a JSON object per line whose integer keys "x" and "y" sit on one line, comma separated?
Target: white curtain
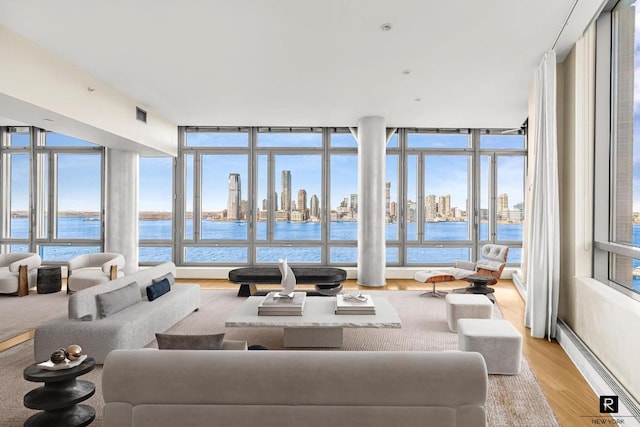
{"x": 543, "y": 251}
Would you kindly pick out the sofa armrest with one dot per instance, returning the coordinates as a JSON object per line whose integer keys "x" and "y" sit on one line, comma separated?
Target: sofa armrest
{"x": 234, "y": 345}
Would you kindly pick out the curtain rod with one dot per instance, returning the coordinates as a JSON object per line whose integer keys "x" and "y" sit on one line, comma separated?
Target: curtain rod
{"x": 575, "y": 3}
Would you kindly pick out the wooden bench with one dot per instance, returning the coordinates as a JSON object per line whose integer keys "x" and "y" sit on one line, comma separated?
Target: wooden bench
{"x": 327, "y": 280}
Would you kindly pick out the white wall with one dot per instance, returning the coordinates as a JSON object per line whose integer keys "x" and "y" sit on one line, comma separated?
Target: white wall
{"x": 34, "y": 85}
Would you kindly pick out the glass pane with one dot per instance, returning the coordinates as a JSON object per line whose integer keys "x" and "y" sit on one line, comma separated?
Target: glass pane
{"x": 437, "y": 255}
{"x": 218, "y": 254}
{"x": 79, "y": 196}
{"x": 155, "y": 198}
{"x": 485, "y": 195}
{"x": 19, "y": 138}
{"x": 343, "y": 140}
{"x": 510, "y": 198}
{"x": 294, "y": 139}
{"x": 392, "y": 197}
{"x": 515, "y": 256}
{"x": 438, "y": 140}
{"x": 65, "y": 253}
{"x": 58, "y": 140}
{"x": 17, "y": 249}
{"x": 299, "y": 180}
{"x": 446, "y": 197}
{"x": 262, "y": 201}
{"x": 626, "y": 132}
{"x": 17, "y": 165}
{"x": 625, "y": 271}
{"x": 290, "y": 253}
{"x": 392, "y": 255}
{"x": 224, "y": 201}
{"x": 502, "y": 141}
{"x": 393, "y": 141}
{"x": 341, "y": 255}
{"x": 188, "y": 196}
{"x": 155, "y": 254}
{"x": 412, "y": 198}
{"x": 217, "y": 139}
{"x": 344, "y": 197}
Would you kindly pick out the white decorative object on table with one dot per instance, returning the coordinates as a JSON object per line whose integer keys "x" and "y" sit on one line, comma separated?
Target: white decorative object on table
{"x": 288, "y": 280}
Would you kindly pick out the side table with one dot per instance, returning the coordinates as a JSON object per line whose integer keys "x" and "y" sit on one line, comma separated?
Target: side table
{"x": 49, "y": 279}
{"x": 60, "y": 395}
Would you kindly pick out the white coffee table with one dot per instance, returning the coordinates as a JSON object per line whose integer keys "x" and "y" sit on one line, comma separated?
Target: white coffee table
{"x": 318, "y": 326}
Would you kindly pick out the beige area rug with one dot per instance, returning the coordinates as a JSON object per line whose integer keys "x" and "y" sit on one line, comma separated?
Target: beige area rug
{"x": 513, "y": 400}
{"x": 20, "y": 314}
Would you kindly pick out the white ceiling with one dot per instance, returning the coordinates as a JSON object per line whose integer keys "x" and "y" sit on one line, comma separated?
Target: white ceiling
{"x": 310, "y": 63}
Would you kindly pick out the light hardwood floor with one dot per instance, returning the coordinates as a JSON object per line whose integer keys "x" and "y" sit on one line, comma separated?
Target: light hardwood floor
{"x": 573, "y": 401}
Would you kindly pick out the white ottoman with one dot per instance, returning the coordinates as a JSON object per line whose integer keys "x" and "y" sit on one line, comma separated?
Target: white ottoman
{"x": 467, "y": 306}
{"x": 497, "y": 340}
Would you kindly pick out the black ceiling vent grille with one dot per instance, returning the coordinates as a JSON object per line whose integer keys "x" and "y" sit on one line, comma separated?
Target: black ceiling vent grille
{"x": 141, "y": 115}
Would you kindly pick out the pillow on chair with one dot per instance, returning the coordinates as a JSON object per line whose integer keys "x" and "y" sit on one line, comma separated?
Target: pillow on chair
{"x": 190, "y": 342}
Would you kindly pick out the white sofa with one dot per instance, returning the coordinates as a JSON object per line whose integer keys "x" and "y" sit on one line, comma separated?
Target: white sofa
{"x": 158, "y": 388}
{"x": 132, "y": 327}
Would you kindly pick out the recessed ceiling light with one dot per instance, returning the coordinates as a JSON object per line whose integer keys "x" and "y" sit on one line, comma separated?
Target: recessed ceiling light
{"x": 406, "y": 71}
{"x": 417, "y": 99}
{"x": 386, "y": 27}
{"x": 47, "y": 120}
{"x": 91, "y": 89}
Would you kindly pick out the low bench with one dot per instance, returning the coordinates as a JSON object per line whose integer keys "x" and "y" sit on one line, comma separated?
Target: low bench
{"x": 327, "y": 280}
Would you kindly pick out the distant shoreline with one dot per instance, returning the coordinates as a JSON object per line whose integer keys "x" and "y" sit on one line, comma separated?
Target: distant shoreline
{"x": 160, "y": 215}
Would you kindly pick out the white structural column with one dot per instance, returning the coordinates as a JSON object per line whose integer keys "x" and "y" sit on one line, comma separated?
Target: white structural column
{"x": 372, "y": 142}
{"x": 121, "y": 206}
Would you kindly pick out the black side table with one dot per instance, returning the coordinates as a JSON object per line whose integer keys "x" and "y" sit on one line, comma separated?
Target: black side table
{"x": 60, "y": 395}
{"x": 49, "y": 279}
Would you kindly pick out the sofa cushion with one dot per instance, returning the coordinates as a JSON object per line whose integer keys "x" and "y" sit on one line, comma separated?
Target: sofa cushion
{"x": 114, "y": 301}
{"x": 158, "y": 289}
{"x": 169, "y": 276}
{"x": 190, "y": 342}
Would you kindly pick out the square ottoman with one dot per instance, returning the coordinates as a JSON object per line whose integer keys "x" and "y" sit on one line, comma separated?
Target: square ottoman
{"x": 467, "y": 306}
{"x": 499, "y": 342}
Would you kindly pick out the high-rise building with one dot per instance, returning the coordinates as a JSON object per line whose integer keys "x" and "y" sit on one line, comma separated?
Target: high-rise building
{"x": 285, "y": 193}
{"x": 314, "y": 207}
{"x": 354, "y": 203}
{"x": 503, "y": 206}
{"x": 234, "y": 200}
{"x": 444, "y": 206}
{"x": 387, "y": 199}
{"x": 393, "y": 210}
{"x": 430, "y": 208}
{"x": 302, "y": 200}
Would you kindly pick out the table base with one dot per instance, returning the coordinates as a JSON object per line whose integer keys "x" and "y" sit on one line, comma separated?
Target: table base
{"x": 77, "y": 416}
{"x": 313, "y": 337}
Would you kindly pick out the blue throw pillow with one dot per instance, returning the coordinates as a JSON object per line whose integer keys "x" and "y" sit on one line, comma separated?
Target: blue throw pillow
{"x": 158, "y": 289}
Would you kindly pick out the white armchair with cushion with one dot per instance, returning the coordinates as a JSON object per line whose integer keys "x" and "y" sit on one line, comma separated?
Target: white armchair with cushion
{"x": 85, "y": 271}
{"x": 494, "y": 258}
{"x": 18, "y": 273}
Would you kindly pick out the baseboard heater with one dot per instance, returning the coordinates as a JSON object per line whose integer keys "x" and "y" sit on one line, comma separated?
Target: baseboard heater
{"x": 597, "y": 375}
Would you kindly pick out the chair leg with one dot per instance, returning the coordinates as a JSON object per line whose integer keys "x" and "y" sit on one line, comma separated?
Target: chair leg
{"x": 434, "y": 293}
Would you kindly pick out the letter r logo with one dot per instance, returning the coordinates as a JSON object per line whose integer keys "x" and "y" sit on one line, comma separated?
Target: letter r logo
{"x": 608, "y": 404}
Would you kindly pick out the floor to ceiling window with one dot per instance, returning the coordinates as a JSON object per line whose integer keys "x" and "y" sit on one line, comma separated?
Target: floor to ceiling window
{"x": 255, "y": 195}
{"x": 52, "y": 186}
{"x": 617, "y": 179}
{"x": 155, "y": 210}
